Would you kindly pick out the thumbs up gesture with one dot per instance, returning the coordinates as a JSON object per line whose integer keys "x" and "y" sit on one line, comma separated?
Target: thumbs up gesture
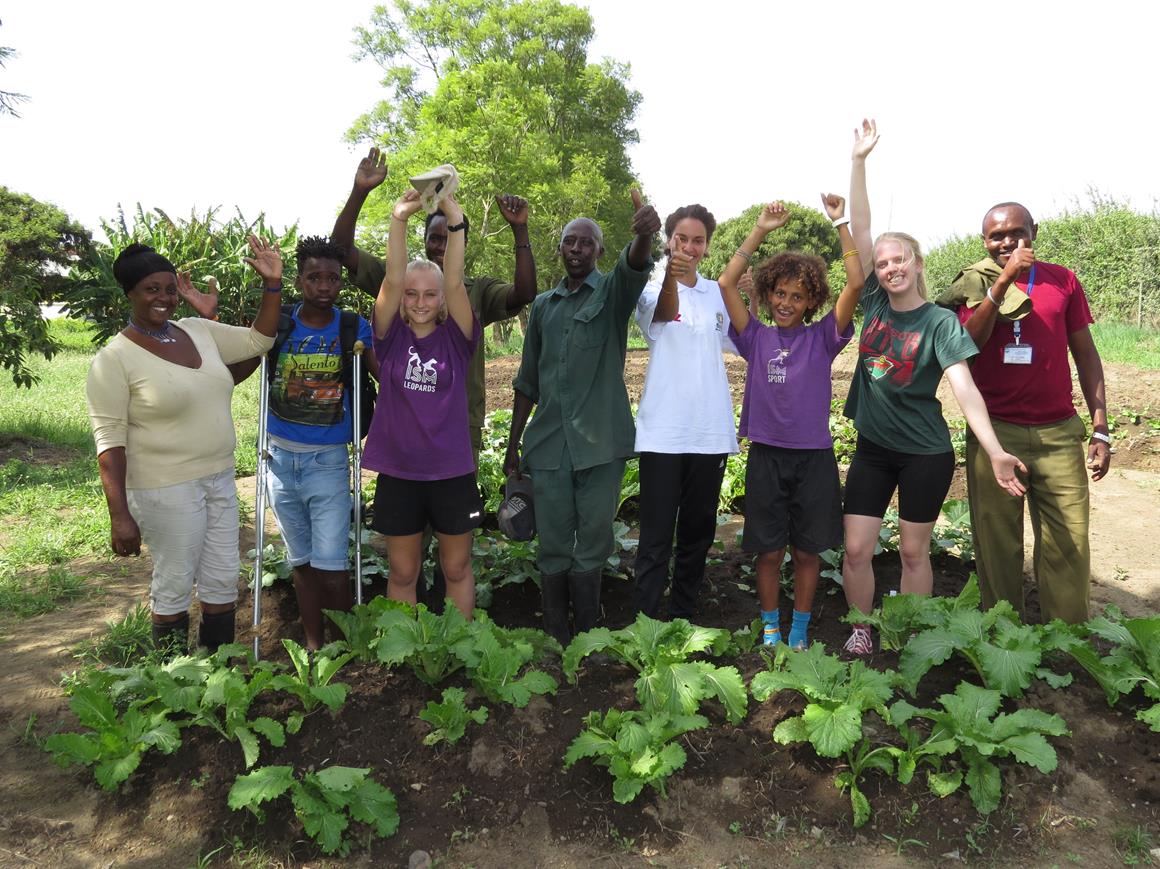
{"x": 645, "y": 221}
{"x": 1020, "y": 260}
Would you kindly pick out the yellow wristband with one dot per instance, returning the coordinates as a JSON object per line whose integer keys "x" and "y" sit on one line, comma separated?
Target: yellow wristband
{"x": 850, "y": 253}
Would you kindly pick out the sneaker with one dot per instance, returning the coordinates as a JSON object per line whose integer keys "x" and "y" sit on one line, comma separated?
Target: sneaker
{"x": 770, "y": 636}
{"x": 861, "y": 642}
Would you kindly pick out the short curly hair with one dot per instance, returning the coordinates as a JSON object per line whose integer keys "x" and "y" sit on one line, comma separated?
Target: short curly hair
{"x": 319, "y": 247}
{"x": 788, "y": 266}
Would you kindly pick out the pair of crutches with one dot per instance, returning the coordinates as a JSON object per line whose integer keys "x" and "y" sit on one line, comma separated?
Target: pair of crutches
{"x": 263, "y": 470}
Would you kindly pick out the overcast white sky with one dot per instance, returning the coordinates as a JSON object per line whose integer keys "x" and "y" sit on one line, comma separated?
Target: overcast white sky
{"x": 245, "y": 104}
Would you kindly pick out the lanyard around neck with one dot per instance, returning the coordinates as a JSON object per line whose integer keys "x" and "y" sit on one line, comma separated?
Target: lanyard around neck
{"x": 1017, "y": 327}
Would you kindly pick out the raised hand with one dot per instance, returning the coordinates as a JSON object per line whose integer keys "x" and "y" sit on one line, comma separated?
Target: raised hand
{"x": 513, "y": 208}
{"x": 451, "y": 210}
{"x": 266, "y": 261}
{"x": 1021, "y": 259}
{"x": 371, "y": 172}
{"x": 645, "y": 221}
{"x": 679, "y": 264}
{"x": 772, "y": 216}
{"x": 745, "y": 283}
{"x": 203, "y": 304}
{"x": 409, "y": 204}
{"x": 865, "y": 139}
{"x": 834, "y": 204}
{"x": 1004, "y": 465}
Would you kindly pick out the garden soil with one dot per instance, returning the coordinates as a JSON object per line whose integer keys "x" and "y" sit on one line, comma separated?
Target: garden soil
{"x": 501, "y": 798}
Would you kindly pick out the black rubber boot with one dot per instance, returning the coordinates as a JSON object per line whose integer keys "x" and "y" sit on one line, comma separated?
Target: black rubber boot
{"x": 172, "y": 638}
{"x": 555, "y": 595}
{"x": 585, "y": 591}
{"x": 217, "y": 629}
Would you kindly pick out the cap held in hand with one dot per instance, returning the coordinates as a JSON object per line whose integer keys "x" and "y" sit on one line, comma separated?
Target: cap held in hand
{"x": 517, "y": 518}
{"x": 435, "y": 186}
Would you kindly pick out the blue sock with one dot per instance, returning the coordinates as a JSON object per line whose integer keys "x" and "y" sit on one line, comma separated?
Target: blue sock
{"x": 771, "y": 622}
{"x": 798, "y": 638}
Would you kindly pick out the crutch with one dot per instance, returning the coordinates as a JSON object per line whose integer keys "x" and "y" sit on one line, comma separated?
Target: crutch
{"x": 356, "y": 463}
{"x": 260, "y": 495}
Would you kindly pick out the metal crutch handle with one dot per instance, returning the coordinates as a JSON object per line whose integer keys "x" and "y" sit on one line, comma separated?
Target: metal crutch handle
{"x": 260, "y": 496}
{"x": 356, "y": 464}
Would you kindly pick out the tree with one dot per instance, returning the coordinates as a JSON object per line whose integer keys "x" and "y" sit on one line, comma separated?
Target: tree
{"x": 8, "y": 99}
{"x": 38, "y": 243}
{"x": 200, "y": 244}
{"x": 808, "y": 231}
{"x": 505, "y": 91}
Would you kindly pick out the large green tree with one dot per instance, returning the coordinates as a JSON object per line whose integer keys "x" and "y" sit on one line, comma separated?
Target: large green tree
{"x": 808, "y": 231}
{"x": 38, "y": 243}
{"x": 504, "y": 89}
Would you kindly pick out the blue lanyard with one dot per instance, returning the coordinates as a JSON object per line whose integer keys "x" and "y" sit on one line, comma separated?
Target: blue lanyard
{"x": 1017, "y": 327}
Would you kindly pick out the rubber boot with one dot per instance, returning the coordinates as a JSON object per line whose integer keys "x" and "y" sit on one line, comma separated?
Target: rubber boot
{"x": 172, "y": 638}
{"x": 217, "y": 629}
{"x": 554, "y": 593}
{"x": 585, "y": 591}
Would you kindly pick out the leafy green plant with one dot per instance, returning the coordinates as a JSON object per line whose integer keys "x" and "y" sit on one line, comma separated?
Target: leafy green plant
{"x": 433, "y": 646}
{"x": 124, "y": 641}
{"x": 733, "y": 483}
{"x": 360, "y": 626}
{"x": 968, "y": 717}
{"x": 952, "y": 534}
{"x": 838, "y": 694}
{"x": 450, "y": 717}
{"x": 116, "y": 741}
{"x": 225, "y": 704}
{"x": 860, "y": 758}
{"x": 311, "y": 681}
{"x": 275, "y": 566}
{"x": 659, "y": 652}
{"x": 325, "y": 801}
{"x": 636, "y": 747}
{"x": 499, "y": 562}
{"x": 497, "y": 658}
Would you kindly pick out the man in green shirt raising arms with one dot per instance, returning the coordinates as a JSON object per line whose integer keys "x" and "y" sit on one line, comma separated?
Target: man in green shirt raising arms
{"x": 491, "y": 298}
{"x": 576, "y": 445}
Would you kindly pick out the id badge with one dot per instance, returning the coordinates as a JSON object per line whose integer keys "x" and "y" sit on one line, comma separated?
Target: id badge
{"x": 1017, "y": 354}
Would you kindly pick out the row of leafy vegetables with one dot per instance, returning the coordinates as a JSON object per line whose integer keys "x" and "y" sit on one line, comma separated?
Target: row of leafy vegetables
{"x": 962, "y": 740}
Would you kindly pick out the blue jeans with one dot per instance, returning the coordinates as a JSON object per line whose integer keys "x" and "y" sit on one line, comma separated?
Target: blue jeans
{"x": 310, "y": 496}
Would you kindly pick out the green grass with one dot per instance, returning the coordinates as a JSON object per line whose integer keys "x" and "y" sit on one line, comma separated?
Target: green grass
{"x": 1124, "y": 344}
{"x": 31, "y": 595}
{"x": 124, "y": 641}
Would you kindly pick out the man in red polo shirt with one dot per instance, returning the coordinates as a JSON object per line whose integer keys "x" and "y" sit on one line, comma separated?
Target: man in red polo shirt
{"x": 1026, "y": 316}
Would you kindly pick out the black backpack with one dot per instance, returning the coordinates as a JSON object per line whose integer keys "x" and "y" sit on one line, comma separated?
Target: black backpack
{"x": 347, "y": 335}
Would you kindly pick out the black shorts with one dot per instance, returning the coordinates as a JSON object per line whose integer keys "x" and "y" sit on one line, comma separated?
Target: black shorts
{"x": 875, "y": 471}
{"x": 791, "y": 496}
{"x": 405, "y": 507}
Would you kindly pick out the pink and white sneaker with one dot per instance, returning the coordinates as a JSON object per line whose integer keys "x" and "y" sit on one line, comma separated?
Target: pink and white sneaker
{"x": 861, "y": 642}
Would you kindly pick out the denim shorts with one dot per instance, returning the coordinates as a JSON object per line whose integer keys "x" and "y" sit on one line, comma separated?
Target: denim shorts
{"x": 191, "y": 530}
{"x": 310, "y": 496}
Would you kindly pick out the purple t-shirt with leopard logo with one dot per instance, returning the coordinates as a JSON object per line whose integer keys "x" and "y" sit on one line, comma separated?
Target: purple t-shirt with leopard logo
{"x": 419, "y": 430}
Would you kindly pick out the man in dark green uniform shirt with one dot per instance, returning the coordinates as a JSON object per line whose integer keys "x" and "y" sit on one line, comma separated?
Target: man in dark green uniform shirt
{"x": 576, "y": 445}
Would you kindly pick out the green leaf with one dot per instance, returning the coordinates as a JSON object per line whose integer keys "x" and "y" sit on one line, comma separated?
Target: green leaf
{"x": 371, "y": 803}
{"x": 1055, "y": 680}
{"x": 161, "y": 734}
{"x": 832, "y": 732}
{"x": 341, "y": 778}
{"x": 676, "y": 688}
{"x": 112, "y": 772}
{"x": 791, "y": 730}
{"x": 1034, "y": 750}
{"x": 929, "y": 649}
{"x": 249, "y": 744}
{"x": 93, "y": 709}
{"x": 294, "y": 722}
{"x": 943, "y": 784}
{"x": 860, "y": 805}
{"x": 270, "y": 729}
{"x": 73, "y": 748}
{"x": 265, "y": 783}
{"x": 726, "y": 685}
{"x": 325, "y": 828}
{"x": 330, "y": 696}
{"x": 626, "y": 789}
{"x": 984, "y": 784}
{"x": 582, "y": 646}
{"x": 906, "y": 767}
{"x": 1151, "y": 717}
{"x": 588, "y": 744}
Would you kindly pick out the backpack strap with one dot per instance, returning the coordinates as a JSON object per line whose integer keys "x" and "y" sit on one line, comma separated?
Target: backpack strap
{"x": 285, "y": 327}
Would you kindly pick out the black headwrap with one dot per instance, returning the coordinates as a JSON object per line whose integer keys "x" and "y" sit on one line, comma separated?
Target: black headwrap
{"x": 138, "y": 261}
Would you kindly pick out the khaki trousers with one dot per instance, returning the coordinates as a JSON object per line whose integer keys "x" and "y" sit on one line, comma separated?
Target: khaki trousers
{"x": 1057, "y": 499}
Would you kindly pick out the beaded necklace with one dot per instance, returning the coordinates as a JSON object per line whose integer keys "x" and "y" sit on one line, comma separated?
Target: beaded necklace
{"x": 161, "y": 335}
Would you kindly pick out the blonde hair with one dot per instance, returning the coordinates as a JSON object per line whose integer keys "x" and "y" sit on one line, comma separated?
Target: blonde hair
{"x": 910, "y": 244}
{"x": 425, "y": 265}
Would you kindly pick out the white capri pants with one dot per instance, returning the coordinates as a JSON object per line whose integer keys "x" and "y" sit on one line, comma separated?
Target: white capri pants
{"x": 191, "y": 530}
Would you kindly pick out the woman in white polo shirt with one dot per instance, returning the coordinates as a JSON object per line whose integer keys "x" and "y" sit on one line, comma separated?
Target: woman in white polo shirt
{"x": 684, "y": 424}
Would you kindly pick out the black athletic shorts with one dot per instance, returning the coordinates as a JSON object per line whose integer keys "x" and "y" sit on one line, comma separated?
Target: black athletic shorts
{"x": 791, "y": 497}
{"x": 405, "y": 507}
{"x": 875, "y": 472}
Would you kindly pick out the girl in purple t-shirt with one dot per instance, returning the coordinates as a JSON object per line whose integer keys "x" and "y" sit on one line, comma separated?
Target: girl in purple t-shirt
{"x": 793, "y": 496}
{"x": 425, "y": 335}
